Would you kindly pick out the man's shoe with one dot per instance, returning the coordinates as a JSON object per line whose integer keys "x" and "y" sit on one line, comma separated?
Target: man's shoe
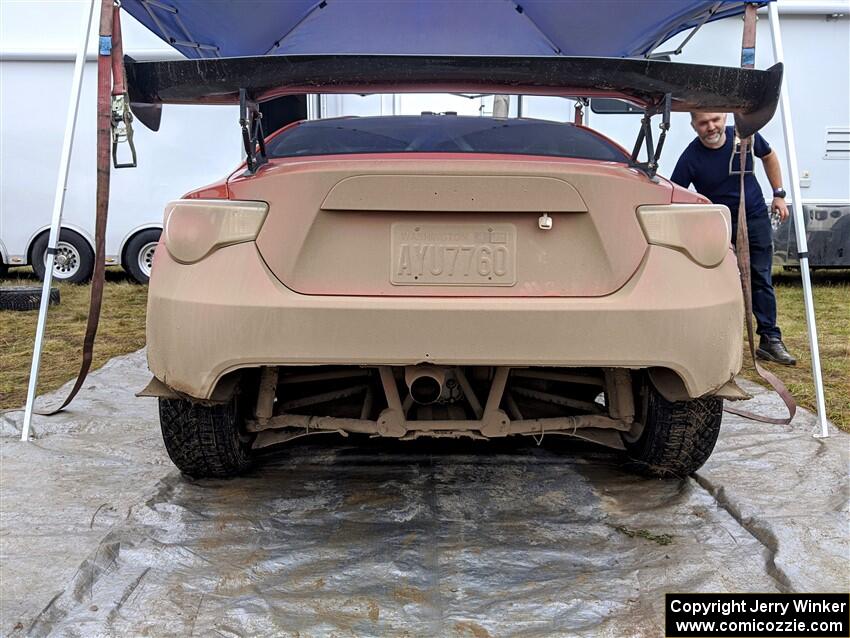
{"x": 772, "y": 349}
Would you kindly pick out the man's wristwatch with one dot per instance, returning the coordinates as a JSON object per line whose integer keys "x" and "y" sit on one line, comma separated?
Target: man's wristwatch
{"x": 779, "y": 192}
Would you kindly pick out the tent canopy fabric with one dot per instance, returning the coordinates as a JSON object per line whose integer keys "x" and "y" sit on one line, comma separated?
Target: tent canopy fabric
{"x": 605, "y": 28}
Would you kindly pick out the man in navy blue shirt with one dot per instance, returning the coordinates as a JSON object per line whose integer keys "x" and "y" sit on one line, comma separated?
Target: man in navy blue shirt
{"x": 712, "y": 164}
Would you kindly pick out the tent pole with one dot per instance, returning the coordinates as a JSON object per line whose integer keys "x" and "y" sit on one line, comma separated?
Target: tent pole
{"x": 799, "y": 221}
{"x": 58, "y": 202}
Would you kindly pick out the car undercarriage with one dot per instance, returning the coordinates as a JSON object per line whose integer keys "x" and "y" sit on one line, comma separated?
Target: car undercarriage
{"x": 443, "y": 401}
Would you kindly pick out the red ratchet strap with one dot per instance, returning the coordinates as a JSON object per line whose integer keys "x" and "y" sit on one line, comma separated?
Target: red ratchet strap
{"x": 118, "y": 80}
{"x": 742, "y": 250}
{"x": 109, "y": 64}
{"x": 742, "y": 243}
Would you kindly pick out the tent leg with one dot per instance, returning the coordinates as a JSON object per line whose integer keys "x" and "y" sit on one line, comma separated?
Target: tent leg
{"x": 799, "y": 222}
{"x": 58, "y": 202}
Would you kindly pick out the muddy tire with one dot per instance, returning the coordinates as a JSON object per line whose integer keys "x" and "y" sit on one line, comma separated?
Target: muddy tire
{"x": 205, "y": 441}
{"x": 678, "y": 437}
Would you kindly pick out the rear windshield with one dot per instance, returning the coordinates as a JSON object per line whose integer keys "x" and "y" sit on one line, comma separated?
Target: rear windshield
{"x": 442, "y": 134}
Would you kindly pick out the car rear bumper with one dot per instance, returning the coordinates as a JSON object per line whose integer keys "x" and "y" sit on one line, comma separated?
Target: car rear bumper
{"x": 228, "y": 311}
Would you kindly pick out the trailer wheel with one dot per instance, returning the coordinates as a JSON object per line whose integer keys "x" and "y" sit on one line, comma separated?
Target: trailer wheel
{"x": 138, "y": 255}
{"x": 74, "y": 260}
{"x": 24, "y": 297}
{"x": 205, "y": 441}
{"x": 677, "y": 438}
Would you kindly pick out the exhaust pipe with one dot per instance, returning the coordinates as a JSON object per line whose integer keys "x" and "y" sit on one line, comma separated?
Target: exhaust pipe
{"x": 425, "y": 382}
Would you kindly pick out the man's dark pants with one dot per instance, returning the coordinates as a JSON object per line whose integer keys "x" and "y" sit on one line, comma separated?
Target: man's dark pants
{"x": 761, "y": 263}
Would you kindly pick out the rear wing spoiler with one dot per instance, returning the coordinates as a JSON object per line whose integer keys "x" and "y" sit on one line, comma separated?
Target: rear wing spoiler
{"x": 750, "y": 94}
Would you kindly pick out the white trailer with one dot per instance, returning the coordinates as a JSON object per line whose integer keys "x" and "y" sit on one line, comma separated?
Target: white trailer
{"x": 200, "y": 144}
{"x": 196, "y": 145}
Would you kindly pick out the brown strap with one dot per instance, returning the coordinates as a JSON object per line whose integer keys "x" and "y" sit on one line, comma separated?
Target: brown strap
{"x": 742, "y": 250}
{"x": 105, "y": 62}
{"x": 119, "y": 80}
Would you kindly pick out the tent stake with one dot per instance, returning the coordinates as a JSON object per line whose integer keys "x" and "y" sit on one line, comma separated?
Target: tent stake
{"x": 799, "y": 222}
{"x": 58, "y": 203}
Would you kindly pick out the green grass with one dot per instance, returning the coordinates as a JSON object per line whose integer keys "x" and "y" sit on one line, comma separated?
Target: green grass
{"x": 658, "y": 539}
{"x": 831, "y": 291}
{"x": 122, "y": 330}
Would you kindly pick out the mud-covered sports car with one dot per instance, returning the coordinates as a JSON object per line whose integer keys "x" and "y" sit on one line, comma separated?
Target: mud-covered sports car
{"x": 446, "y": 276}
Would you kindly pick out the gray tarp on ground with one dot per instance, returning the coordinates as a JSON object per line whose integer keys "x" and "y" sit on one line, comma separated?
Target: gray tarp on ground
{"x": 102, "y": 536}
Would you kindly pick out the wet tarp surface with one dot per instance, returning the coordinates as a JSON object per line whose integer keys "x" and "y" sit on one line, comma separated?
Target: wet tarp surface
{"x": 101, "y": 536}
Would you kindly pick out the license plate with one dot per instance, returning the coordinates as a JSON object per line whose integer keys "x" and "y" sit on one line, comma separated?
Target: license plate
{"x": 453, "y": 254}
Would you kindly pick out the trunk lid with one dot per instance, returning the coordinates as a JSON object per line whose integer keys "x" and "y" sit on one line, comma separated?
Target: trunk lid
{"x": 450, "y": 225}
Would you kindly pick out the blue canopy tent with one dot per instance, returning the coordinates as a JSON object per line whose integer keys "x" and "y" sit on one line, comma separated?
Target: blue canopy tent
{"x": 445, "y": 30}
{"x": 229, "y": 28}
{"x": 232, "y": 34}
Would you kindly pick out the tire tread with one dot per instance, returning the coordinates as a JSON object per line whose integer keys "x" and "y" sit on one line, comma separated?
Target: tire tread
{"x": 204, "y": 441}
{"x": 25, "y": 298}
{"x": 678, "y": 436}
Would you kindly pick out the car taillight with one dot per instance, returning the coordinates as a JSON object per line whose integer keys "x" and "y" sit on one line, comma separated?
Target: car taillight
{"x": 701, "y": 231}
{"x": 193, "y": 228}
